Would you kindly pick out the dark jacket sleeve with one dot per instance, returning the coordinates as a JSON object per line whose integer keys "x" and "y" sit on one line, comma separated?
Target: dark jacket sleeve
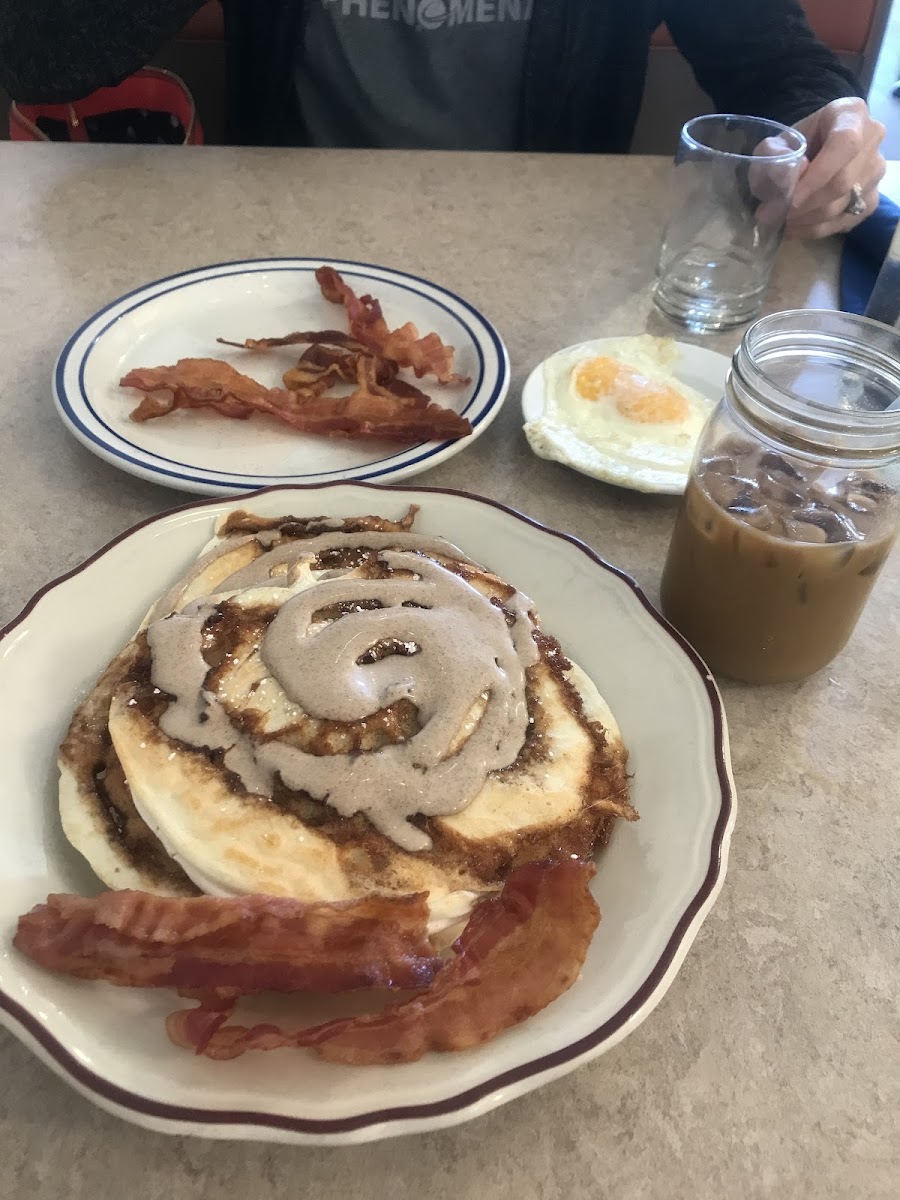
{"x": 52, "y": 51}
{"x": 758, "y": 57}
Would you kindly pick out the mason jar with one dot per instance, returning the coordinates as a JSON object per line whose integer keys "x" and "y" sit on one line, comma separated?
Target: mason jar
{"x": 791, "y": 506}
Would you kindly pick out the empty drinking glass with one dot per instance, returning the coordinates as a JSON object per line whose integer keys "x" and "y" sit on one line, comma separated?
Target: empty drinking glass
{"x": 733, "y": 182}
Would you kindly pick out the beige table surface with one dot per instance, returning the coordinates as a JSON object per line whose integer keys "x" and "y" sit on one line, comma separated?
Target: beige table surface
{"x": 772, "y": 1067}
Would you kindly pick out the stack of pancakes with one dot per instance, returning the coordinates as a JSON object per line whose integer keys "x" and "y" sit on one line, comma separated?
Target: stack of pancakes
{"x": 152, "y": 813}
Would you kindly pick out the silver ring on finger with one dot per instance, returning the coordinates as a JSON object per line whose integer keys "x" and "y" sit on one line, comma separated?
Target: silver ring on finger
{"x": 857, "y": 203}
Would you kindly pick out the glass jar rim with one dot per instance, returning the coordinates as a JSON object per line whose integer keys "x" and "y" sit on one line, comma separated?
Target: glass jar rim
{"x": 767, "y": 127}
{"x": 844, "y": 434}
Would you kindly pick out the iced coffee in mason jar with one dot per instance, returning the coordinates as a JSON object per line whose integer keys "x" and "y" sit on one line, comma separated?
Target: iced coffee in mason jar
{"x": 792, "y": 505}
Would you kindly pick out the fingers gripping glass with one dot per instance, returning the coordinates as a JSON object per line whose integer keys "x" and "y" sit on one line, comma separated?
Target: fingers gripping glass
{"x": 733, "y": 184}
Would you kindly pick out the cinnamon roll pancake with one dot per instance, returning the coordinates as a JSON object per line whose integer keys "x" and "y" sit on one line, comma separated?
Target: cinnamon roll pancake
{"x": 325, "y": 708}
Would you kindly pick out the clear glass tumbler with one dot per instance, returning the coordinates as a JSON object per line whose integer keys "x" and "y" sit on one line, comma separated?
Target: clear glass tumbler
{"x": 793, "y": 501}
{"x": 733, "y": 184}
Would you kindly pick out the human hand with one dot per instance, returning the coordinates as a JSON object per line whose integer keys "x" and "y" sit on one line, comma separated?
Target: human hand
{"x": 843, "y": 152}
{"x": 778, "y": 163}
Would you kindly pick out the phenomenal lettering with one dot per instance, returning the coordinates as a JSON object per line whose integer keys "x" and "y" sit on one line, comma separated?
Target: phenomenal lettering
{"x": 429, "y": 15}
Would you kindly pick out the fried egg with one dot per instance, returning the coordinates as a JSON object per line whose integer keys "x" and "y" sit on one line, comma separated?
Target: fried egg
{"x": 616, "y": 410}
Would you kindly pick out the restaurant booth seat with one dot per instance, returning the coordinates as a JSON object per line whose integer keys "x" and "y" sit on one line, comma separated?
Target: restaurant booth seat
{"x": 853, "y": 28}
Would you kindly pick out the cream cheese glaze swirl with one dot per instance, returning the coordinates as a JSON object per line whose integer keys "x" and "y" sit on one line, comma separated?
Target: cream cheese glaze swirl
{"x": 434, "y": 640}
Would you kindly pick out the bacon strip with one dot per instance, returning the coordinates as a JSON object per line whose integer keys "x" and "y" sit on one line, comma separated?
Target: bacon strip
{"x": 518, "y": 953}
{"x": 394, "y": 411}
{"x": 426, "y": 355}
{"x": 321, "y": 366}
{"x": 232, "y": 946}
{"x": 320, "y": 337}
{"x": 390, "y": 411}
{"x": 194, "y": 383}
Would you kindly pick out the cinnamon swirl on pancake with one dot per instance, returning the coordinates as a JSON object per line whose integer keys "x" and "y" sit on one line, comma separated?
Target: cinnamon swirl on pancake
{"x": 327, "y": 708}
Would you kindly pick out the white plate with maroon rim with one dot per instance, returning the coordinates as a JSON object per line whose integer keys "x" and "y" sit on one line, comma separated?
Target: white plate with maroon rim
{"x": 655, "y": 884}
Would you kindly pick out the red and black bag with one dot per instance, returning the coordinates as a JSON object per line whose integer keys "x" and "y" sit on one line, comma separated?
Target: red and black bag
{"x": 151, "y": 106}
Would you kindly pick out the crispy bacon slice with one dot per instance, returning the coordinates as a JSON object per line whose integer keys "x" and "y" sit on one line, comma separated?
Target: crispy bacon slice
{"x": 426, "y": 355}
{"x": 362, "y": 415}
{"x": 232, "y": 946}
{"x": 518, "y": 953}
{"x": 194, "y": 383}
{"x": 320, "y": 337}
{"x": 391, "y": 411}
{"x": 394, "y": 411}
{"x": 321, "y": 366}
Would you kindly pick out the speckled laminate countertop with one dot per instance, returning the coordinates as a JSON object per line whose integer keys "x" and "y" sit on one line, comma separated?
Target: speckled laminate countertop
{"x": 772, "y": 1066}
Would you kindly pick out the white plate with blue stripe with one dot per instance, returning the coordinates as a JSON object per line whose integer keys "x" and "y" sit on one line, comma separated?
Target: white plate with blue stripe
{"x": 181, "y": 317}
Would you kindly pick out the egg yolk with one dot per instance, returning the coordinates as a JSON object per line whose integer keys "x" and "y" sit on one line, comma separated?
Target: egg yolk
{"x": 596, "y": 377}
{"x": 636, "y": 397}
